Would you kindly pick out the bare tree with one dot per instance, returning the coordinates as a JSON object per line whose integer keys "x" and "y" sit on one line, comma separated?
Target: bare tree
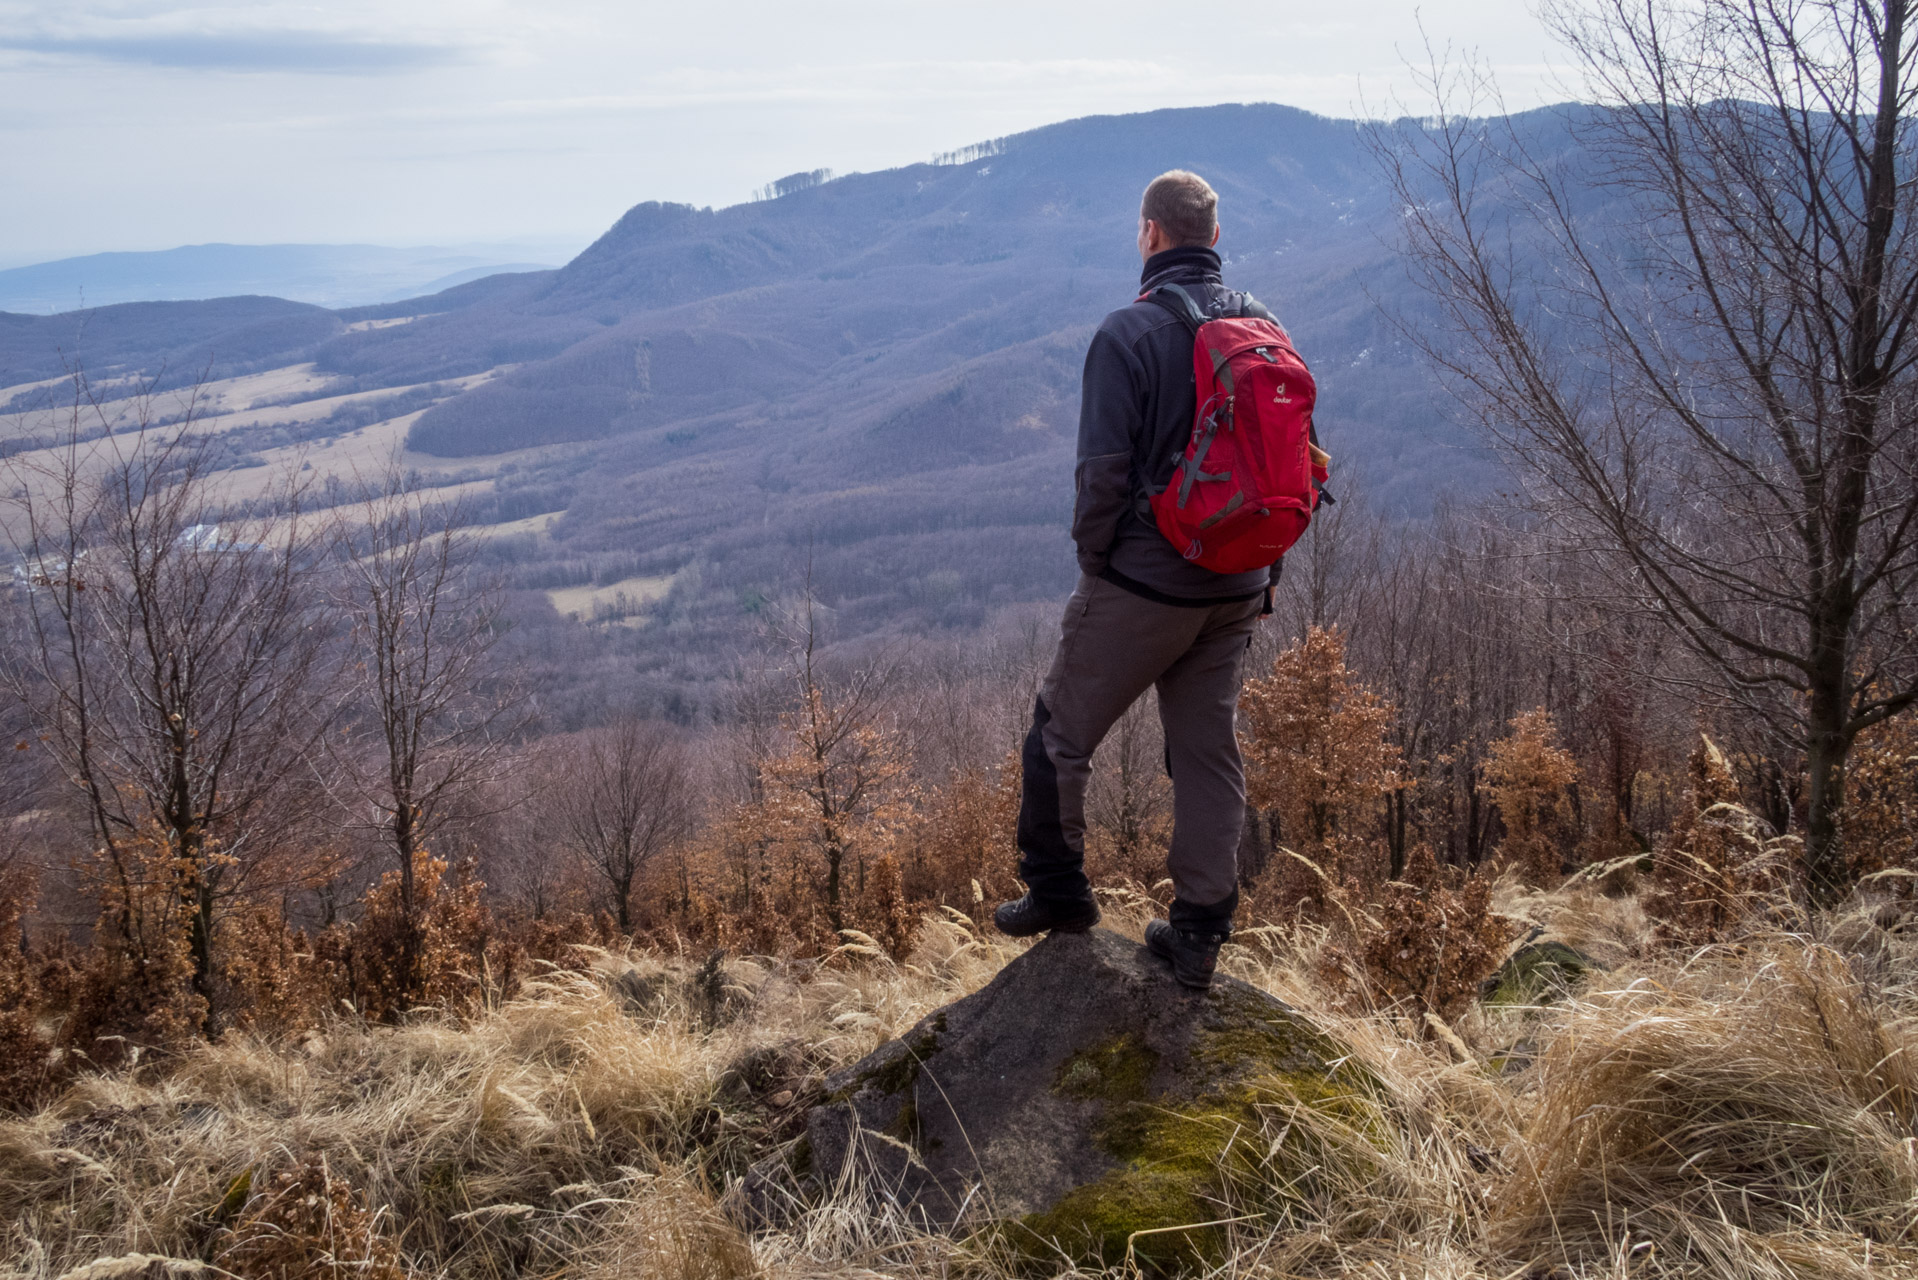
{"x": 432, "y": 710}
{"x": 620, "y": 798}
{"x": 1329, "y": 573}
{"x": 835, "y": 782}
{"x": 1698, "y": 340}
{"x": 170, "y": 657}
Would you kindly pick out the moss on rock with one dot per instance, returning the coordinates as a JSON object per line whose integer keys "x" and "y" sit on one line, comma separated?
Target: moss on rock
{"x": 1538, "y": 973}
{"x": 1107, "y": 1108}
{"x": 899, "y": 1063}
{"x": 905, "y": 1125}
{"x": 1115, "y": 1070}
{"x": 1187, "y": 1166}
{"x": 1247, "y": 1033}
{"x": 1186, "y": 1161}
{"x": 1098, "y": 1223}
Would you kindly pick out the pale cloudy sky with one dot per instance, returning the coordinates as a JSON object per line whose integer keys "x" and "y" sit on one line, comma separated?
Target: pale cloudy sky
{"x": 143, "y": 124}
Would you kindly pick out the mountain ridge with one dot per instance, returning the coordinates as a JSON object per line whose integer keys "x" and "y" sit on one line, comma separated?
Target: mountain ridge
{"x": 871, "y": 381}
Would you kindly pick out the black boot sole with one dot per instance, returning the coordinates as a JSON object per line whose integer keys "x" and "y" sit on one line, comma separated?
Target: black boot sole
{"x": 1080, "y": 924}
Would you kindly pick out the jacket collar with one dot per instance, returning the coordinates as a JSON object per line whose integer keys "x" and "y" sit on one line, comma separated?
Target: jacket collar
{"x": 1187, "y": 264}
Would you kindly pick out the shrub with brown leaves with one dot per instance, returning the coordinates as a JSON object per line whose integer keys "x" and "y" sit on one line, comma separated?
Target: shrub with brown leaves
{"x": 451, "y": 928}
{"x": 27, "y": 1063}
{"x": 1317, "y": 759}
{"x": 1316, "y": 751}
{"x": 831, "y": 801}
{"x": 1418, "y": 941}
{"x": 305, "y": 1224}
{"x": 1880, "y": 817}
{"x": 1721, "y": 865}
{"x": 1526, "y": 775}
{"x": 277, "y": 981}
{"x": 882, "y": 910}
{"x": 961, "y": 852}
{"x": 132, "y": 990}
{"x": 1311, "y": 884}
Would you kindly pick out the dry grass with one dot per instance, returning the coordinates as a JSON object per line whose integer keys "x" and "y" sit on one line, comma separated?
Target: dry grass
{"x": 502, "y": 1141}
{"x": 1739, "y": 1112}
{"x": 1611, "y": 929}
{"x": 1754, "y": 1102}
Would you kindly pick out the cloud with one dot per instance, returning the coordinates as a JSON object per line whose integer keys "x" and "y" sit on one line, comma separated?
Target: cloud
{"x": 264, "y": 51}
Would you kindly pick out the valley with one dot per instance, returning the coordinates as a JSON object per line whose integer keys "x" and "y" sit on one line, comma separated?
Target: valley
{"x": 868, "y": 384}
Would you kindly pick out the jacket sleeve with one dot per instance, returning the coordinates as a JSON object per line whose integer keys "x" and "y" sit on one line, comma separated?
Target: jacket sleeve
{"x": 1111, "y": 416}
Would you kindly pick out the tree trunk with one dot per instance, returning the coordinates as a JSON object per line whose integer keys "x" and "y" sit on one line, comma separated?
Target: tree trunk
{"x": 1395, "y": 807}
{"x": 834, "y": 917}
{"x": 1825, "y": 750}
{"x": 195, "y": 894}
{"x": 1474, "y": 837}
{"x": 405, "y": 839}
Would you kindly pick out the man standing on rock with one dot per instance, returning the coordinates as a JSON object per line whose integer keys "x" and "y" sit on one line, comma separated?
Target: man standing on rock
{"x": 1144, "y": 614}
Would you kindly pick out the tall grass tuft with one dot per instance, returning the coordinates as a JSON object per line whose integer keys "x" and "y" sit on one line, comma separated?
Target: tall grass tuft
{"x": 1754, "y": 1102}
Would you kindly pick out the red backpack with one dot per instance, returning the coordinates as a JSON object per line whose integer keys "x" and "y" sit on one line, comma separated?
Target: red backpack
{"x": 1249, "y": 480}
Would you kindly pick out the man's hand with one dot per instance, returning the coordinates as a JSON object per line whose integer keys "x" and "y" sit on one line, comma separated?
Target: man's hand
{"x": 1104, "y": 489}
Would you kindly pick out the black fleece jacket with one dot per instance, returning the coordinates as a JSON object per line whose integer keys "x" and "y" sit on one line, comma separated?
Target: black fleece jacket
{"x": 1135, "y": 416}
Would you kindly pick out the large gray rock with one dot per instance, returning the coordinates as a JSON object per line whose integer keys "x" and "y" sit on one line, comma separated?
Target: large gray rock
{"x": 1081, "y": 1098}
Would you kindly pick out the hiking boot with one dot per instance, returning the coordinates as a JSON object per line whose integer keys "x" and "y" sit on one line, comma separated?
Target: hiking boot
{"x": 1193, "y": 954}
{"x": 1029, "y": 915}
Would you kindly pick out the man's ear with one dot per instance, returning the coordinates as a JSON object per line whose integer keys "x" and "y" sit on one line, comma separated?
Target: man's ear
{"x": 1214, "y": 242}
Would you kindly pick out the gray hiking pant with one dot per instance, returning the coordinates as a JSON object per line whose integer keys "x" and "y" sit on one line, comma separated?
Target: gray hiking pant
{"x": 1113, "y": 646}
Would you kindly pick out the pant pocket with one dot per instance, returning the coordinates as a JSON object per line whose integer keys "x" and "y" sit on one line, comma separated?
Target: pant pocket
{"x": 1085, "y": 604}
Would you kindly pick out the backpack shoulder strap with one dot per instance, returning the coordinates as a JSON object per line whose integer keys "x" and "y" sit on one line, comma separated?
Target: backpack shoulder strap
{"x": 1180, "y": 303}
{"x": 1246, "y": 306}
{"x": 1252, "y": 308}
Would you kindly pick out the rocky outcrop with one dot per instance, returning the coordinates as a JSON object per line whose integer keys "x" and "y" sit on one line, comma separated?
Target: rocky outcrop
{"x": 1081, "y": 1099}
{"x": 1537, "y": 973}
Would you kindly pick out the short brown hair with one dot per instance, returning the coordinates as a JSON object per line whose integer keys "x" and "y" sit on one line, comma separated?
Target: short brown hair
{"x": 1184, "y": 205}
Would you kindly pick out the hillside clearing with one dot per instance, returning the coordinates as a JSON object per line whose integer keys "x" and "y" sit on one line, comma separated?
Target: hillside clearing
{"x": 616, "y": 600}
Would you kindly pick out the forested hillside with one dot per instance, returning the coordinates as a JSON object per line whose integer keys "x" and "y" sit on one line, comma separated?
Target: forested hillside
{"x": 873, "y": 378}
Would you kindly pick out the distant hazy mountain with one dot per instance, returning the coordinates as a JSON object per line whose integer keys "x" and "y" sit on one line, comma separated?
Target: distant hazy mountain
{"x": 330, "y": 275}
